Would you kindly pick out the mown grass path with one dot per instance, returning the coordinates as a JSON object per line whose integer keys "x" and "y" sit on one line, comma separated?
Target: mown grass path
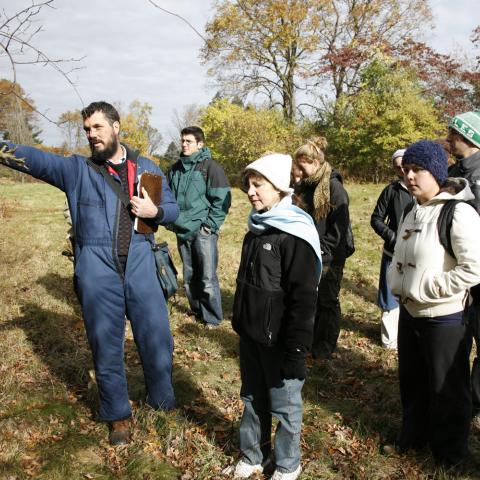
{"x": 47, "y": 390}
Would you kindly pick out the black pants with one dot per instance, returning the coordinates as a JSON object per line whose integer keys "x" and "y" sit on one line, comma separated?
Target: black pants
{"x": 328, "y": 313}
{"x": 434, "y": 373}
{"x": 474, "y": 334}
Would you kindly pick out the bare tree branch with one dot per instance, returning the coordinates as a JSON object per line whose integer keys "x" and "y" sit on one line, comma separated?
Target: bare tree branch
{"x": 180, "y": 17}
{"x": 17, "y": 34}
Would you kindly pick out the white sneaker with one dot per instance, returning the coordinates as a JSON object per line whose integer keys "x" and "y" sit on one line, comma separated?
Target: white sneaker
{"x": 277, "y": 475}
{"x": 243, "y": 470}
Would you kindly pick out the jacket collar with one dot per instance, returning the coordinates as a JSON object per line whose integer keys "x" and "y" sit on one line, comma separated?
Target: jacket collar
{"x": 469, "y": 164}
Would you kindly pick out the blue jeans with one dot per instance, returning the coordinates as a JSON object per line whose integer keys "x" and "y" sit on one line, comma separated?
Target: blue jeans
{"x": 385, "y": 300}
{"x": 265, "y": 394}
{"x": 200, "y": 259}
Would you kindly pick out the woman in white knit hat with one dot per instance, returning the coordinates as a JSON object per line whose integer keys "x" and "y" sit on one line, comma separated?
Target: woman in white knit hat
{"x": 273, "y": 313}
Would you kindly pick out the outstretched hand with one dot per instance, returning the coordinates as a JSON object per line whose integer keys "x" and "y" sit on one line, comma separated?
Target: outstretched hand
{"x": 143, "y": 207}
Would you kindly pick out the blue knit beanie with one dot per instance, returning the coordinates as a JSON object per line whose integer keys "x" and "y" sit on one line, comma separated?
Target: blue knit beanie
{"x": 429, "y": 155}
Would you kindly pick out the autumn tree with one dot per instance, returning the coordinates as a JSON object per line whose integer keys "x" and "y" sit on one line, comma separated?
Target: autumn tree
{"x": 18, "y": 120}
{"x": 71, "y": 124}
{"x": 172, "y": 152}
{"x": 281, "y": 47}
{"x": 388, "y": 112}
{"x": 448, "y": 80}
{"x": 137, "y": 130}
{"x": 354, "y": 32}
{"x": 264, "y": 47}
{"x": 237, "y": 135}
{"x": 475, "y": 38}
{"x": 185, "y": 117}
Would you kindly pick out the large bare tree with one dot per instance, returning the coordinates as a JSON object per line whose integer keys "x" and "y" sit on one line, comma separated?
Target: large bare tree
{"x": 280, "y": 47}
{"x": 264, "y": 47}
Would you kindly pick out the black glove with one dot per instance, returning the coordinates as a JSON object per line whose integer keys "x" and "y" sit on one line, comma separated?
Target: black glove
{"x": 390, "y": 238}
{"x": 294, "y": 365}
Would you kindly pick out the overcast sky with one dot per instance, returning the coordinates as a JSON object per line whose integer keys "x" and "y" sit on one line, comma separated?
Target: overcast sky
{"x": 134, "y": 51}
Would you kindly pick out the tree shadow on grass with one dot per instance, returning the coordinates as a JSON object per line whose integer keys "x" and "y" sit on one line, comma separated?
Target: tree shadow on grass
{"x": 61, "y": 288}
{"x": 223, "y": 336}
{"x": 370, "y": 330}
{"x": 194, "y": 405}
{"x": 361, "y": 287}
{"x": 59, "y": 341}
{"x": 227, "y": 302}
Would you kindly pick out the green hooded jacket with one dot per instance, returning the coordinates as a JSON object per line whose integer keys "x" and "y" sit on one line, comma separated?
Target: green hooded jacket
{"x": 202, "y": 192}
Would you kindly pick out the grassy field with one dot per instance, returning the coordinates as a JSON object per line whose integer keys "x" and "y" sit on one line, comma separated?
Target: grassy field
{"x": 48, "y": 393}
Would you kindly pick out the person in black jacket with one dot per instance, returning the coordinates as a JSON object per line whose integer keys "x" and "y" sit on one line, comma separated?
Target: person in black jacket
{"x": 322, "y": 195}
{"x": 384, "y": 220}
{"x": 273, "y": 313}
{"x": 464, "y": 141}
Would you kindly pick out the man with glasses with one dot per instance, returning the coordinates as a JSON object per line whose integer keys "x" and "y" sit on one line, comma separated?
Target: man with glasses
{"x": 203, "y": 195}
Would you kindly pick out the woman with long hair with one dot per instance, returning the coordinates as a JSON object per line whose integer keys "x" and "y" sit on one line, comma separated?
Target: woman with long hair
{"x": 322, "y": 195}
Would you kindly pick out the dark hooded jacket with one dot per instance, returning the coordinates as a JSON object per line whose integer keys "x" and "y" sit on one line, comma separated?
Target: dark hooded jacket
{"x": 388, "y": 212}
{"x": 469, "y": 168}
{"x": 332, "y": 229}
{"x": 202, "y": 192}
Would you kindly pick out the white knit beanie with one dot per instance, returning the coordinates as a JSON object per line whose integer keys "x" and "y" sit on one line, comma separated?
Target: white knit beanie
{"x": 276, "y": 168}
{"x": 398, "y": 153}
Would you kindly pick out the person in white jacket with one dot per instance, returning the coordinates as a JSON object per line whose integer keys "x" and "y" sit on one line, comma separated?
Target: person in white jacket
{"x": 433, "y": 290}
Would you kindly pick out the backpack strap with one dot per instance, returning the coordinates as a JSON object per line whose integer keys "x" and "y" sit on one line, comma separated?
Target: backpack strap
{"x": 444, "y": 225}
{"x": 116, "y": 187}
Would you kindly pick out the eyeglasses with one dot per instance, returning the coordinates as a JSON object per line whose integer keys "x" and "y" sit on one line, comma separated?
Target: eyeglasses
{"x": 188, "y": 142}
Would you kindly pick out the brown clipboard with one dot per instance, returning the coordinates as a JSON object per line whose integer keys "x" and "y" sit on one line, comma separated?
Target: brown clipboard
{"x": 152, "y": 183}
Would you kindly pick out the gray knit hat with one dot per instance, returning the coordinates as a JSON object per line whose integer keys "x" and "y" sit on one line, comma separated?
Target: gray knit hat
{"x": 398, "y": 153}
{"x": 468, "y": 125}
{"x": 430, "y": 156}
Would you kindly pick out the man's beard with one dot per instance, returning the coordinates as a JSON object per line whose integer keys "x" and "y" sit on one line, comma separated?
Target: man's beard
{"x": 110, "y": 149}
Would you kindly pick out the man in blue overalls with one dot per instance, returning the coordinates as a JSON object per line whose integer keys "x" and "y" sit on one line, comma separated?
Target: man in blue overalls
{"x": 115, "y": 267}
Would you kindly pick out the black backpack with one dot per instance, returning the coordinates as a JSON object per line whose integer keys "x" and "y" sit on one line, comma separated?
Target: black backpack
{"x": 444, "y": 223}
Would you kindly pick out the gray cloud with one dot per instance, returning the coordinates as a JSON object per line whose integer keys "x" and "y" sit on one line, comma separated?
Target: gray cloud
{"x": 134, "y": 51}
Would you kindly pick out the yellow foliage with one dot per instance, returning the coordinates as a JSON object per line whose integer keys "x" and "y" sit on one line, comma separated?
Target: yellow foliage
{"x": 237, "y": 135}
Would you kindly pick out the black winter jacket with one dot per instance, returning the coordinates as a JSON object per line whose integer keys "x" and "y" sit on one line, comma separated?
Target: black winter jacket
{"x": 469, "y": 168}
{"x": 332, "y": 230}
{"x": 388, "y": 212}
{"x": 276, "y": 290}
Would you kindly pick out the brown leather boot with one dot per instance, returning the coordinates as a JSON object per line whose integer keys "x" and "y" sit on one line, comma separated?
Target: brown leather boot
{"x": 120, "y": 432}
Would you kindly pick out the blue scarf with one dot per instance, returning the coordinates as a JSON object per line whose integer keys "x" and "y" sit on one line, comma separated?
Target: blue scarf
{"x": 290, "y": 219}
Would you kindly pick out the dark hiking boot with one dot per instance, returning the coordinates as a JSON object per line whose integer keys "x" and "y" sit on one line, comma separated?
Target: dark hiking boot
{"x": 120, "y": 432}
